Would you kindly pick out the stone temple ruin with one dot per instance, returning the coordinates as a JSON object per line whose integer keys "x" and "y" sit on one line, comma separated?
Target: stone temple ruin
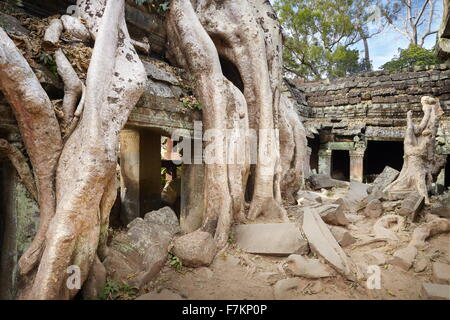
{"x": 355, "y": 129}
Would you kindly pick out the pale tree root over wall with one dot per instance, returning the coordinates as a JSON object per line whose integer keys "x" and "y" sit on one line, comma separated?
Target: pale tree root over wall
{"x": 75, "y": 178}
{"x": 247, "y": 34}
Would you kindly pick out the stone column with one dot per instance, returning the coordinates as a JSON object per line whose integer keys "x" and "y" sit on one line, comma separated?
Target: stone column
{"x": 325, "y": 161}
{"x": 356, "y": 165}
{"x": 129, "y": 177}
{"x": 192, "y": 190}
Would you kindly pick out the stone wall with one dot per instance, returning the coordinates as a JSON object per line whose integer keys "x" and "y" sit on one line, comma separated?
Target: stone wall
{"x": 378, "y": 94}
{"x": 347, "y": 113}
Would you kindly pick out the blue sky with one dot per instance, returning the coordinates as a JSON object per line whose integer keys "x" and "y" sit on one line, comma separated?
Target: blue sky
{"x": 384, "y": 46}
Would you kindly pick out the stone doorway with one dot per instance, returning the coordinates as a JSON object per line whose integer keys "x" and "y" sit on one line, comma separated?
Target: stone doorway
{"x": 340, "y": 165}
{"x": 314, "y": 144}
{"x": 380, "y": 154}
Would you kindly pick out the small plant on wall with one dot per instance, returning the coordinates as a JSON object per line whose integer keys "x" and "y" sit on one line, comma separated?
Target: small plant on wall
{"x": 158, "y": 5}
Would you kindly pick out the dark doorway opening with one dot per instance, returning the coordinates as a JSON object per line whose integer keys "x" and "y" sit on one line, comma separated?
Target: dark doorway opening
{"x": 380, "y": 154}
{"x": 314, "y": 144}
{"x": 231, "y": 72}
{"x": 447, "y": 173}
{"x": 340, "y": 165}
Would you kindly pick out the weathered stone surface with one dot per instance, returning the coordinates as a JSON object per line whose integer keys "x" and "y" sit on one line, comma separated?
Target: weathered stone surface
{"x": 271, "y": 238}
{"x": 420, "y": 265}
{"x": 441, "y": 273}
{"x": 375, "y": 258}
{"x": 412, "y": 204}
{"x": 137, "y": 255}
{"x": 305, "y": 197}
{"x": 165, "y": 218}
{"x": 95, "y": 281}
{"x": 283, "y": 286}
{"x": 384, "y": 179}
{"x": 342, "y": 236}
{"x": 432, "y": 291}
{"x": 308, "y": 268}
{"x": 374, "y": 209}
{"x": 195, "y": 249}
{"x": 322, "y": 242}
{"x": 332, "y": 214}
{"x": 442, "y": 208}
{"x": 12, "y": 25}
{"x": 159, "y": 73}
{"x": 404, "y": 258}
{"x": 319, "y": 181}
{"x": 164, "y": 294}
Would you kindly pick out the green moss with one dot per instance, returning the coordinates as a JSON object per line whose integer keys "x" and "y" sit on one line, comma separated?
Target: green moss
{"x": 27, "y": 217}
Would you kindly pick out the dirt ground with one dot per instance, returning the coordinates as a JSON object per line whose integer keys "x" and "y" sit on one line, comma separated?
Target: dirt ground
{"x": 235, "y": 274}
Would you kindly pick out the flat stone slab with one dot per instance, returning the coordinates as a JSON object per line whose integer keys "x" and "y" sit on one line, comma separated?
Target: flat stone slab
{"x": 322, "y": 242}
{"x": 412, "y": 204}
{"x": 441, "y": 273}
{"x": 384, "y": 179}
{"x": 319, "y": 181}
{"x": 270, "y": 238}
{"x": 432, "y": 291}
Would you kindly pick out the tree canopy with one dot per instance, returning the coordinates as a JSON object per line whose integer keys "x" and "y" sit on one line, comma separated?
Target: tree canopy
{"x": 319, "y": 35}
{"x": 412, "y": 56}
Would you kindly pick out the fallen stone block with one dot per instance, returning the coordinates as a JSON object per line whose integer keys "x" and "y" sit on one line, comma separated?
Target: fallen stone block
{"x": 374, "y": 209}
{"x": 420, "y": 265}
{"x": 432, "y": 291}
{"x": 384, "y": 179}
{"x": 404, "y": 258}
{"x": 323, "y": 243}
{"x": 281, "y": 239}
{"x": 357, "y": 196}
{"x": 375, "y": 258}
{"x": 441, "y": 273}
{"x": 332, "y": 214}
{"x": 342, "y": 236}
{"x": 319, "y": 181}
{"x": 442, "y": 208}
{"x": 195, "y": 249}
{"x": 137, "y": 255}
{"x": 283, "y": 286}
{"x": 309, "y": 197}
{"x": 307, "y": 268}
{"x": 412, "y": 205}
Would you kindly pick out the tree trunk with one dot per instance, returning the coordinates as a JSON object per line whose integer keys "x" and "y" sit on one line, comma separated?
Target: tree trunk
{"x": 85, "y": 166}
{"x": 419, "y": 149}
{"x": 248, "y": 35}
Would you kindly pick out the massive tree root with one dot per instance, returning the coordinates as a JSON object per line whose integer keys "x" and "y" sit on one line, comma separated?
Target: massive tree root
{"x": 419, "y": 147}
{"x": 75, "y": 182}
{"x": 247, "y": 36}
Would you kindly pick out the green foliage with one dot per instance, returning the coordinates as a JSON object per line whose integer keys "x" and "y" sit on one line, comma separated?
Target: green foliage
{"x": 49, "y": 62}
{"x": 411, "y": 56}
{"x": 159, "y": 5}
{"x": 175, "y": 262}
{"x": 114, "y": 290}
{"x": 191, "y": 102}
{"x": 231, "y": 237}
{"x": 319, "y": 34}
